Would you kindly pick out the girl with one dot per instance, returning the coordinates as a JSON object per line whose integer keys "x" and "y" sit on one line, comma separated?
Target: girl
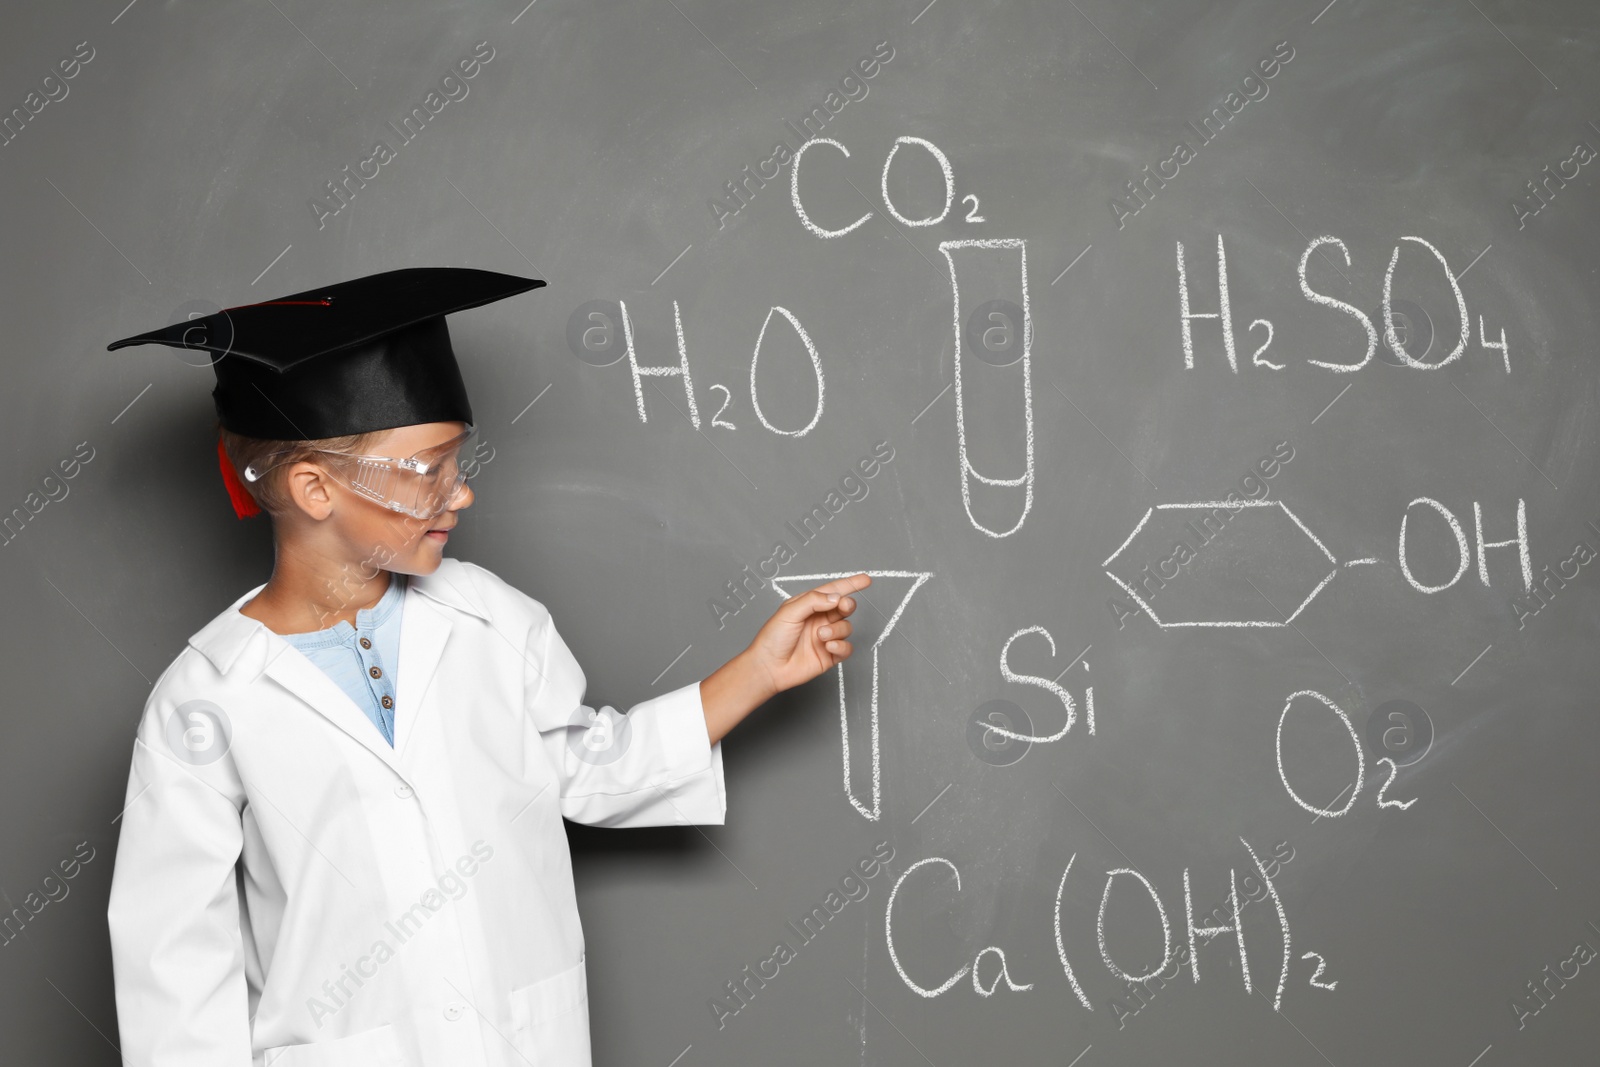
{"x": 343, "y": 840}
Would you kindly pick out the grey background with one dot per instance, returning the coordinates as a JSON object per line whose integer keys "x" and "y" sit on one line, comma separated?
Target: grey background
{"x": 180, "y": 166}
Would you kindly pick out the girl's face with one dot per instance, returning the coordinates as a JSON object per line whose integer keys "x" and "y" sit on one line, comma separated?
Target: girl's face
{"x": 394, "y": 541}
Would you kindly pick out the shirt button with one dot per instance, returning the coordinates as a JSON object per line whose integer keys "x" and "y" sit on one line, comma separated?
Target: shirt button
{"x": 403, "y": 791}
{"x": 387, "y": 701}
{"x": 454, "y": 1011}
{"x": 365, "y": 643}
{"x": 376, "y": 672}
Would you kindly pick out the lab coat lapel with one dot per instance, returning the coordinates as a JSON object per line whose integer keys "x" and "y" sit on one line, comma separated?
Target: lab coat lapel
{"x": 424, "y": 629}
{"x": 307, "y": 681}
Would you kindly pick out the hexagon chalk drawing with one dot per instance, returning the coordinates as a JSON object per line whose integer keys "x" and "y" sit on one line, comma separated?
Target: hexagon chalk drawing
{"x": 876, "y": 810}
{"x": 1233, "y": 507}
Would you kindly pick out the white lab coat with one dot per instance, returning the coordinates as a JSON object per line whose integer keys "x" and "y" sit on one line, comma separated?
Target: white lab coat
{"x": 312, "y": 897}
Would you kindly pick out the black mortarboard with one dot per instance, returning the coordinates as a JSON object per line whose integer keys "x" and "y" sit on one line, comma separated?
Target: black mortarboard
{"x": 367, "y": 354}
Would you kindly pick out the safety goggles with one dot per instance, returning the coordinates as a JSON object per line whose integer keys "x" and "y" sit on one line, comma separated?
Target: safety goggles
{"x": 420, "y": 485}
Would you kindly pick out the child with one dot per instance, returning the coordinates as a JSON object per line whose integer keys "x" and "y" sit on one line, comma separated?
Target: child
{"x": 342, "y": 842}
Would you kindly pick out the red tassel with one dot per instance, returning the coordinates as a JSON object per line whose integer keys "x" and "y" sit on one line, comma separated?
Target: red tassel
{"x": 244, "y": 505}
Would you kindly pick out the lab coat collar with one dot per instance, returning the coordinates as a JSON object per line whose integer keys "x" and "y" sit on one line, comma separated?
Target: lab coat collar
{"x": 451, "y": 586}
{"x": 225, "y": 640}
{"x": 225, "y": 637}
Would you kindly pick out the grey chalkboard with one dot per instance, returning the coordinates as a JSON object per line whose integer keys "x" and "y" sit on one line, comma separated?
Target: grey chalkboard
{"x": 1233, "y": 362}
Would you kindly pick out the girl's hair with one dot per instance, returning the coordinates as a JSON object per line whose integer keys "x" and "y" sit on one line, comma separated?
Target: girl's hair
{"x": 269, "y": 491}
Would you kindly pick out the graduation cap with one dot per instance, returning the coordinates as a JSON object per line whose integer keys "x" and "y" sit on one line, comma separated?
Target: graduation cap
{"x": 362, "y": 355}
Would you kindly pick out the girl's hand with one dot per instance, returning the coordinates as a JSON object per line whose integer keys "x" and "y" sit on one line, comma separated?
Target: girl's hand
{"x": 806, "y": 635}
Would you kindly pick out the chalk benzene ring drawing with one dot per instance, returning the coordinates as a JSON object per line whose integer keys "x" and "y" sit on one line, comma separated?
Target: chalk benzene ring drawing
{"x": 1211, "y": 505}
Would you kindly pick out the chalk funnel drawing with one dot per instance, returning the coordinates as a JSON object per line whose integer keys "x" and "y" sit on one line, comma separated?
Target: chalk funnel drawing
{"x": 870, "y": 728}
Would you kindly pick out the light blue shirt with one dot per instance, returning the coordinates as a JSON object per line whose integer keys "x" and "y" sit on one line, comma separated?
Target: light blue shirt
{"x": 362, "y": 659}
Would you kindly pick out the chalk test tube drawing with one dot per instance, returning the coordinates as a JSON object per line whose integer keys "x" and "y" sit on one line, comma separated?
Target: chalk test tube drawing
{"x": 874, "y": 812}
{"x": 1206, "y": 507}
{"x": 1025, "y": 479}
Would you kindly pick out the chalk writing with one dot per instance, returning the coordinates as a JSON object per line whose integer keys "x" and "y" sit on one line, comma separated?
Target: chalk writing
{"x": 816, "y": 367}
{"x": 1043, "y": 683}
{"x": 932, "y": 149}
{"x": 1463, "y": 552}
{"x": 1116, "y": 970}
{"x": 1330, "y": 813}
{"x": 1392, "y": 335}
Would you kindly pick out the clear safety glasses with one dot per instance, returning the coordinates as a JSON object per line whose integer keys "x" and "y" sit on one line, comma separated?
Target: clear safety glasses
{"x": 420, "y": 485}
